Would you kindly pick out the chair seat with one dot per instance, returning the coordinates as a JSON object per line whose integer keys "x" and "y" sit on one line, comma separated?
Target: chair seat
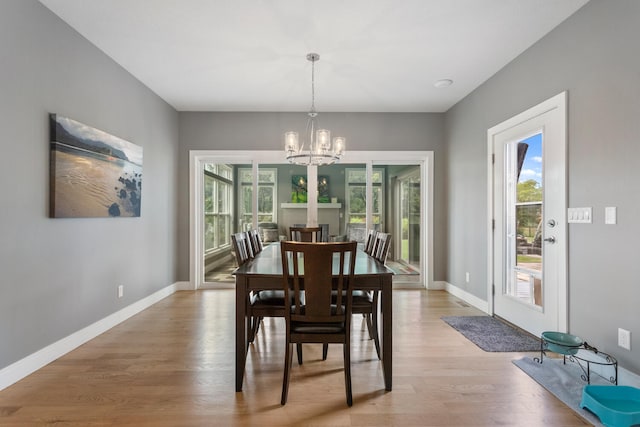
{"x": 364, "y": 302}
{"x": 268, "y": 298}
{"x": 362, "y": 298}
{"x": 316, "y": 328}
{"x": 303, "y": 310}
{"x": 357, "y": 297}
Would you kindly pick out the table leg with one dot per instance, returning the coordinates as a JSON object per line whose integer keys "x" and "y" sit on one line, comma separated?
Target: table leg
{"x": 387, "y": 328}
{"x": 241, "y": 329}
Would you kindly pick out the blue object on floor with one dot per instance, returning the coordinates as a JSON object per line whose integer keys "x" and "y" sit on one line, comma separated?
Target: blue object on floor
{"x": 616, "y": 406}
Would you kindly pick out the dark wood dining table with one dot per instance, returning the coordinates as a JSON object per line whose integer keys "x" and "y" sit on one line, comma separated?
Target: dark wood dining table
{"x": 264, "y": 272}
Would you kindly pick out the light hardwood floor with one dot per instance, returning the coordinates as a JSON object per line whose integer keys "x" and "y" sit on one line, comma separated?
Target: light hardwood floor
{"x": 173, "y": 365}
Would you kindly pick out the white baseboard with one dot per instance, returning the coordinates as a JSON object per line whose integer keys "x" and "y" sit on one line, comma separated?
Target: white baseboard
{"x": 26, "y": 366}
{"x": 626, "y": 377}
{"x": 467, "y": 297}
{"x": 184, "y": 286}
{"x": 438, "y": 285}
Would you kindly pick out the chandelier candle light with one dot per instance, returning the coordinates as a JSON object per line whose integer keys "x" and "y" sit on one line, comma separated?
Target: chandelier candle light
{"x": 320, "y": 150}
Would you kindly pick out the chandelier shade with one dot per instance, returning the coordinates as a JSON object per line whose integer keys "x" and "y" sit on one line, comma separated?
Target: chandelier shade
{"x": 316, "y": 146}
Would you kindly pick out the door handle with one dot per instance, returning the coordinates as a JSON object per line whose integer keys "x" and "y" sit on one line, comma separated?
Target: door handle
{"x": 550, "y": 239}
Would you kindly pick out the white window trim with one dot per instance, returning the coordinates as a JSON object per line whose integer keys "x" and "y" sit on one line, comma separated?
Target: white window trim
{"x": 225, "y": 247}
{"x": 369, "y": 185}
{"x": 255, "y": 192}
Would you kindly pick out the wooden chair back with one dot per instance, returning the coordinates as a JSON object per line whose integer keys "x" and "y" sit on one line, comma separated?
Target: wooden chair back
{"x": 241, "y": 247}
{"x": 305, "y": 234}
{"x": 314, "y": 267}
{"x": 370, "y": 242}
{"x": 381, "y": 248}
{"x": 256, "y": 241}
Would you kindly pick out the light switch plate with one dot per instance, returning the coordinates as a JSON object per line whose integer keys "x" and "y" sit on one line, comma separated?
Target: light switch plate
{"x": 610, "y": 215}
{"x": 580, "y": 215}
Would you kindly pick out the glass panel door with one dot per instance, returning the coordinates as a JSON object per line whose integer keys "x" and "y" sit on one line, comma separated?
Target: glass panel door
{"x": 410, "y": 219}
{"x": 524, "y": 213}
{"x": 529, "y": 244}
{"x": 405, "y": 215}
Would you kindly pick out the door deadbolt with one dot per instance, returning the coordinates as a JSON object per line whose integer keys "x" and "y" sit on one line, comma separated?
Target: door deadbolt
{"x": 551, "y": 223}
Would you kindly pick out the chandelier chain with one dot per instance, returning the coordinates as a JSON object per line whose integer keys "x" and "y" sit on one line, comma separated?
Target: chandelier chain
{"x": 313, "y": 85}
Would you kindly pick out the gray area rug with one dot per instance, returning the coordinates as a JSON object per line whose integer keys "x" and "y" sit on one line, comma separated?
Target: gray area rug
{"x": 563, "y": 381}
{"x": 491, "y": 334}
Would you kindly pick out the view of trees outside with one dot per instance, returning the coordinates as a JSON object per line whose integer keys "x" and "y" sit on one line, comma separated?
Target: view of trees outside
{"x": 357, "y": 195}
{"x": 529, "y": 199}
{"x": 410, "y": 200}
{"x": 267, "y": 179}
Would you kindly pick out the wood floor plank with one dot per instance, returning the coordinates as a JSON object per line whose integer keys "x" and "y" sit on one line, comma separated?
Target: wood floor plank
{"x": 173, "y": 365}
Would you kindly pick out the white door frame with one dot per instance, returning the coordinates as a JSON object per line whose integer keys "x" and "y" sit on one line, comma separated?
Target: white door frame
{"x": 398, "y": 228}
{"x": 557, "y": 102}
{"x": 197, "y": 159}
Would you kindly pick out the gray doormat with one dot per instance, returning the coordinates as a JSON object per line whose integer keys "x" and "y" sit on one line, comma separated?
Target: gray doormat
{"x": 491, "y": 334}
{"x": 563, "y": 381}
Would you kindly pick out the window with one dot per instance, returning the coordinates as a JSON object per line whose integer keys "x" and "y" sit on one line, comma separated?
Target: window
{"x": 356, "y": 184}
{"x": 218, "y": 202}
{"x": 267, "y": 195}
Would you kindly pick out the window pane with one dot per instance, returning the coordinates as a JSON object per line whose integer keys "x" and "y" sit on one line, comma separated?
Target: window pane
{"x": 357, "y": 200}
{"x": 377, "y": 204}
{"x": 245, "y": 176}
{"x": 247, "y": 196}
{"x": 265, "y": 200}
{"x": 208, "y": 194}
{"x": 225, "y": 171}
{"x": 209, "y": 233}
{"x": 223, "y": 230}
{"x": 266, "y": 176}
{"x": 355, "y": 176}
{"x": 356, "y": 180}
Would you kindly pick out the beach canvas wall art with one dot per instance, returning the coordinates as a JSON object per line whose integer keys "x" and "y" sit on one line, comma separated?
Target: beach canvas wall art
{"x": 93, "y": 173}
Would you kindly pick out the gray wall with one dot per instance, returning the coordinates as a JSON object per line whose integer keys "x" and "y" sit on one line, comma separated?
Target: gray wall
{"x": 593, "y": 55}
{"x": 60, "y": 275}
{"x": 265, "y": 131}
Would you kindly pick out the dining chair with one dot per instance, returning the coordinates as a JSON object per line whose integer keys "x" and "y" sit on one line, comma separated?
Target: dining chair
{"x": 317, "y": 268}
{"x": 366, "y": 302}
{"x": 241, "y": 247}
{"x": 260, "y": 304}
{"x": 370, "y": 242}
{"x": 381, "y": 247}
{"x": 305, "y": 234}
{"x": 256, "y": 241}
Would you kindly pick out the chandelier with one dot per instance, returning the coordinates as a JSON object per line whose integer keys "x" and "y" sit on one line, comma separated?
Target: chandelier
{"x": 318, "y": 150}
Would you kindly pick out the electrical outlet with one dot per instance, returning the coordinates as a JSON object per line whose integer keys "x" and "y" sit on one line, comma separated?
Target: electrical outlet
{"x": 466, "y": 276}
{"x": 624, "y": 338}
{"x": 120, "y": 291}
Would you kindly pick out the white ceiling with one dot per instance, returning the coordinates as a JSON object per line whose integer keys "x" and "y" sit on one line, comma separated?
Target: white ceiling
{"x": 376, "y": 55}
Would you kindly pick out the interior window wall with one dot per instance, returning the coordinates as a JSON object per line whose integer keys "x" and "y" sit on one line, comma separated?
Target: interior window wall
{"x": 229, "y": 201}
